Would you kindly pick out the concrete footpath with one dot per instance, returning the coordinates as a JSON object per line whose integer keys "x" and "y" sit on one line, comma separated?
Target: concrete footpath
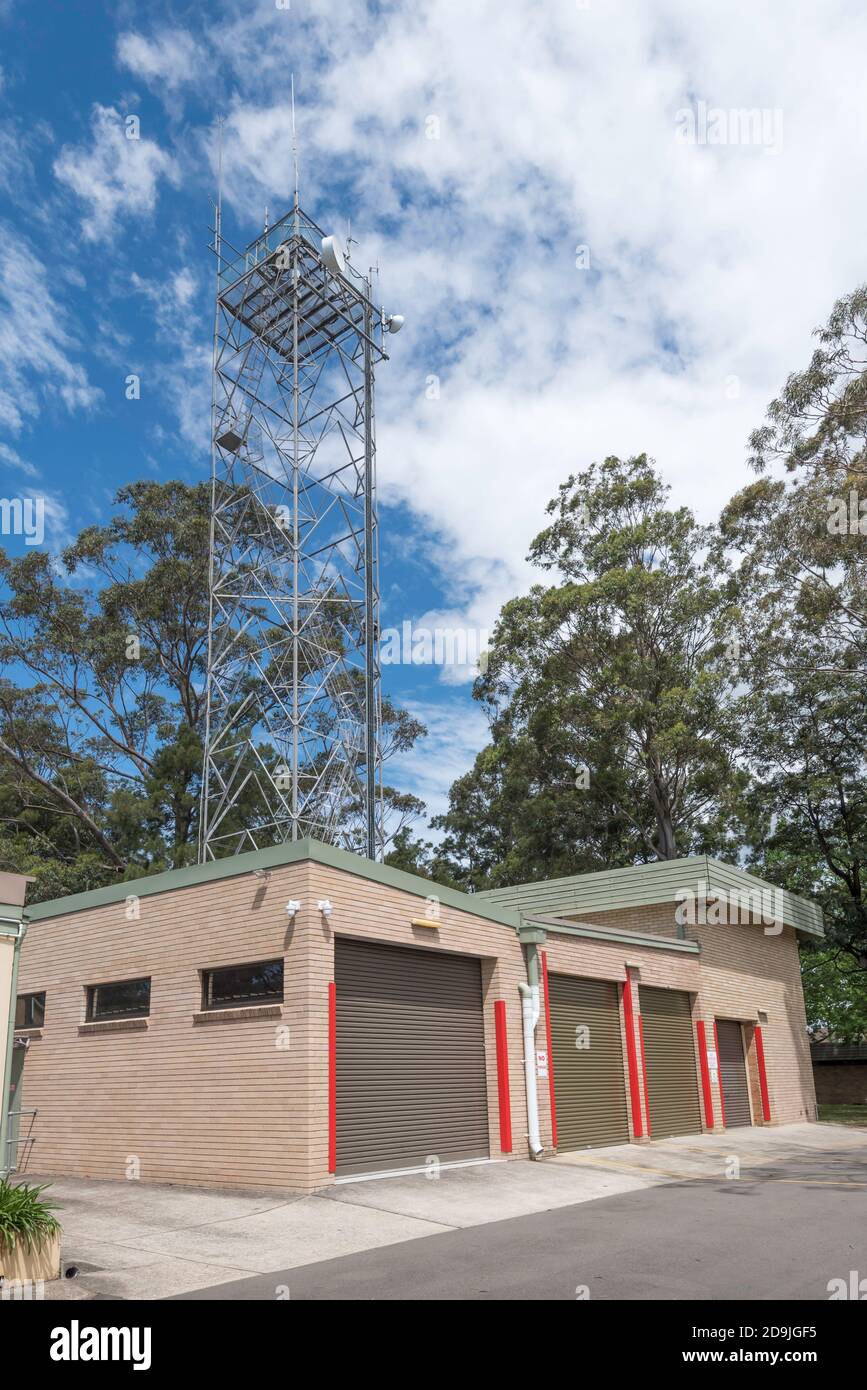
{"x": 752, "y": 1190}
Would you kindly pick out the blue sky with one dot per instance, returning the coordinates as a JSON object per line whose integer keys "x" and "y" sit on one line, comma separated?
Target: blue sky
{"x": 577, "y": 278}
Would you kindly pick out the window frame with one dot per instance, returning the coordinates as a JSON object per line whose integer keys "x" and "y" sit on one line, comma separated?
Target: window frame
{"x": 118, "y": 1015}
{"x": 247, "y": 1001}
{"x": 20, "y": 999}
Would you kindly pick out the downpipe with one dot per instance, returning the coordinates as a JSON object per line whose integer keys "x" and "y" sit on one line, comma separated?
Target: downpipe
{"x": 530, "y": 1017}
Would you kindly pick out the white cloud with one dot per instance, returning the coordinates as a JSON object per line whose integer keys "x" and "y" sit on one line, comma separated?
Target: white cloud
{"x": 557, "y": 128}
{"x": 709, "y": 265}
{"x": 14, "y": 460}
{"x": 183, "y": 287}
{"x": 455, "y": 735}
{"x": 57, "y": 529}
{"x": 169, "y": 61}
{"x": 37, "y": 351}
{"x": 114, "y": 176}
{"x": 183, "y": 372}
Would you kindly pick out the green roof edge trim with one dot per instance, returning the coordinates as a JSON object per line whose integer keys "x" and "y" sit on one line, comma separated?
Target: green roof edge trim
{"x": 641, "y": 885}
{"x": 553, "y": 925}
{"x": 274, "y": 857}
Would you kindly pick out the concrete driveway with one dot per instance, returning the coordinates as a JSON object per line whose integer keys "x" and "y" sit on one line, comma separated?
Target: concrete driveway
{"x": 137, "y": 1241}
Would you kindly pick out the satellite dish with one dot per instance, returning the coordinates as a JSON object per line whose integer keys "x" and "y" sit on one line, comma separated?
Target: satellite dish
{"x": 332, "y": 255}
{"x": 394, "y": 323}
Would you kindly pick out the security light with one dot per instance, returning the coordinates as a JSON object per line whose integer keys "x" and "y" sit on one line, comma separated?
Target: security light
{"x": 325, "y": 907}
{"x": 292, "y": 907}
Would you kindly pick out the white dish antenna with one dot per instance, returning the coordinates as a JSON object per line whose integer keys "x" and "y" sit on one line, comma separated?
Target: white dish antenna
{"x": 394, "y": 323}
{"x": 332, "y": 255}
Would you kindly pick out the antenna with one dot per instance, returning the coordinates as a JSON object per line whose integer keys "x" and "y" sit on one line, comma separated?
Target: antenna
{"x": 219, "y": 208}
{"x": 294, "y": 148}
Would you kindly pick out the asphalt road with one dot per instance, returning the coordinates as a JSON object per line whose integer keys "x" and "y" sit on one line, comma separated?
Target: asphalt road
{"x": 774, "y": 1238}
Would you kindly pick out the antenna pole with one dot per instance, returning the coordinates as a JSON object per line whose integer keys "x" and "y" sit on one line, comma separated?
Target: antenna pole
{"x": 294, "y": 157}
{"x": 218, "y": 227}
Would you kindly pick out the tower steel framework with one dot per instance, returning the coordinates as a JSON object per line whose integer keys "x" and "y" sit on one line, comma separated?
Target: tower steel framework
{"x": 293, "y": 708}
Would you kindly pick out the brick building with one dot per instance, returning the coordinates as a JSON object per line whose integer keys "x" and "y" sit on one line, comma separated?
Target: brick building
{"x": 297, "y": 1016}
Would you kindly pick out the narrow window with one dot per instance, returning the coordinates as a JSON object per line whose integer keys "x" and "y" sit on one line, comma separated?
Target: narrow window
{"x": 233, "y": 986}
{"x": 30, "y": 1010}
{"x": 119, "y": 999}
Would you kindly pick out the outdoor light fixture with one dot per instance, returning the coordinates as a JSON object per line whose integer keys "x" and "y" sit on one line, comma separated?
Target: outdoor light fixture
{"x": 325, "y": 907}
{"x": 261, "y": 873}
{"x": 292, "y": 907}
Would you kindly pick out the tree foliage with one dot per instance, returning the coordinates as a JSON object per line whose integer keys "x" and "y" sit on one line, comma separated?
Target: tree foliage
{"x": 103, "y": 652}
{"x": 607, "y": 694}
{"x": 800, "y": 540}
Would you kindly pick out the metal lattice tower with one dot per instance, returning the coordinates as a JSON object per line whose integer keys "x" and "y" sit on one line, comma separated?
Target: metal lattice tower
{"x": 292, "y": 740}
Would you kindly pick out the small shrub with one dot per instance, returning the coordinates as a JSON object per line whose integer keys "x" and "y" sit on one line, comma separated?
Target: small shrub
{"x": 25, "y": 1216}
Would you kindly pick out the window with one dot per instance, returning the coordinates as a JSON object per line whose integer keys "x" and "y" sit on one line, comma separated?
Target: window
{"x": 30, "y": 1010}
{"x": 121, "y": 999}
{"x": 236, "y": 985}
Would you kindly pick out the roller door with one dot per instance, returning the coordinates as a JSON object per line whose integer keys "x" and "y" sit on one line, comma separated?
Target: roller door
{"x": 410, "y": 1057}
{"x": 589, "y": 1082}
{"x": 669, "y": 1054}
{"x": 733, "y": 1074}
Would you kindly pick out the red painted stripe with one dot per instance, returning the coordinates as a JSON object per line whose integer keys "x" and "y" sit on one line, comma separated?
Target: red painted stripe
{"x": 631, "y": 1058}
{"x": 544, "y": 955}
{"x": 763, "y": 1076}
{"x": 644, "y": 1075}
{"x": 722, "y": 1104}
{"x": 503, "y": 1077}
{"x": 332, "y": 1077}
{"x": 705, "y": 1073}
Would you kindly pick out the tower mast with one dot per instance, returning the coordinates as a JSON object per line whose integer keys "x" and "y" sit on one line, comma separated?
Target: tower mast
{"x": 293, "y": 704}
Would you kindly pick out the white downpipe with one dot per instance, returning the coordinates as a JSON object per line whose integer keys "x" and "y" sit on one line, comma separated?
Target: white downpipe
{"x": 530, "y": 1017}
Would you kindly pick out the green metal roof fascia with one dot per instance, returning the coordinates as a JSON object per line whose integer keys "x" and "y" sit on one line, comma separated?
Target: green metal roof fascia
{"x": 411, "y": 883}
{"x": 274, "y": 857}
{"x": 644, "y": 885}
{"x": 800, "y": 913}
{"x": 626, "y": 938}
{"x": 636, "y": 885}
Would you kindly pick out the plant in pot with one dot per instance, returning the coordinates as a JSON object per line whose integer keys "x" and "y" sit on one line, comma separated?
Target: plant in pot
{"x": 29, "y": 1234}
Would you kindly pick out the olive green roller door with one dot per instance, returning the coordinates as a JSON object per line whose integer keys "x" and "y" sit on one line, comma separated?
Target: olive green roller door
{"x": 587, "y": 1058}
{"x": 733, "y": 1074}
{"x": 410, "y": 1057}
{"x": 669, "y": 1053}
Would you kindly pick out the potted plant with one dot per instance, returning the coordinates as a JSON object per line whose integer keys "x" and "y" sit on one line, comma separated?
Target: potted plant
{"x": 29, "y": 1234}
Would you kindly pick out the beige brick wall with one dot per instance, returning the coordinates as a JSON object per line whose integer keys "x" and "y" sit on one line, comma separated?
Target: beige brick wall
{"x": 242, "y": 1102}
{"x": 237, "y": 1102}
{"x": 216, "y": 1104}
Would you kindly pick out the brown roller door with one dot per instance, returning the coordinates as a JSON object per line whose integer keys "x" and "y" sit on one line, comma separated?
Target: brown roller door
{"x": 410, "y": 1055}
{"x": 669, "y": 1053}
{"x": 733, "y": 1074}
{"x": 589, "y": 1084}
